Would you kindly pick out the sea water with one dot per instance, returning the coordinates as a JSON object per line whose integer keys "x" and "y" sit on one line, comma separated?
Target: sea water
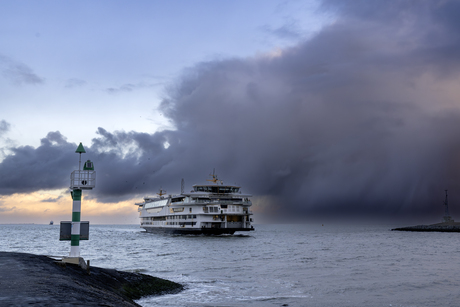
{"x": 275, "y": 265}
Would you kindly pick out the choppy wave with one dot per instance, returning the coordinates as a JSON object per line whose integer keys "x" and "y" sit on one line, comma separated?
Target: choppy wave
{"x": 276, "y": 265}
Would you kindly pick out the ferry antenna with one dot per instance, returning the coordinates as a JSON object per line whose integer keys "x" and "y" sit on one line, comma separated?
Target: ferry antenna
{"x": 162, "y": 192}
{"x": 214, "y": 177}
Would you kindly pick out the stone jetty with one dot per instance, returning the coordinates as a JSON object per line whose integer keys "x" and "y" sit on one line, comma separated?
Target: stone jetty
{"x": 440, "y": 227}
{"x": 450, "y": 226}
{"x": 28, "y": 279}
{"x": 447, "y": 224}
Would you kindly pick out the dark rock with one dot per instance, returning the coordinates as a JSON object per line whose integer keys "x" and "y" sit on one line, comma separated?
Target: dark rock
{"x": 440, "y": 227}
{"x": 41, "y": 281}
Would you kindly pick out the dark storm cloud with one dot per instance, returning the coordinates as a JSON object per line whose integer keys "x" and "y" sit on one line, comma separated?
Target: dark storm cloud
{"x": 18, "y": 73}
{"x": 362, "y": 118}
{"x": 30, "y": 169}
{"x": 118, "y": 158}
{"x": 341, "y": 123}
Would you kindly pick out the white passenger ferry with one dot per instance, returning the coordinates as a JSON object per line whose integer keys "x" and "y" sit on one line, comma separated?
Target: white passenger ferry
{"x": 208, "y": 209}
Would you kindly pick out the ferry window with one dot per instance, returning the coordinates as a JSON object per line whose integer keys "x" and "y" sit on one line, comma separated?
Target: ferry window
{"x": 190, "y": 210}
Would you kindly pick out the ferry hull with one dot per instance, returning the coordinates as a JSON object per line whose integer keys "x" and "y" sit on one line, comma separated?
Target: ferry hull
{"x": 197, "y": 231}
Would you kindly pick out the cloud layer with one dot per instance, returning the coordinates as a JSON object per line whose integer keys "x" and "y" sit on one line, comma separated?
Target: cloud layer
{"x": 18, "y": 73}
{"x": 4, "y": 127}
{"x": 363, "y": 118}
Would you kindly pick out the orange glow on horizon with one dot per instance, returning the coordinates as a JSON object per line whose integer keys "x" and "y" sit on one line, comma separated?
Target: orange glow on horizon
{"x": 45, "y": 206}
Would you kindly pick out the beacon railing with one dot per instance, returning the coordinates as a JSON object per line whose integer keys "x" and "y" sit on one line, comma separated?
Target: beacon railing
{"x": 84, "y": 180}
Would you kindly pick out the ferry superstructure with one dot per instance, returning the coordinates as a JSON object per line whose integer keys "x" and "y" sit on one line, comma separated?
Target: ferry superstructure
{"x": 212, "y": 208}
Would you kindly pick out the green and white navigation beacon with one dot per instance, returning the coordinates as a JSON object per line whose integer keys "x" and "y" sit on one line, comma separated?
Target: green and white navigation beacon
{"x": 79, "y": 180}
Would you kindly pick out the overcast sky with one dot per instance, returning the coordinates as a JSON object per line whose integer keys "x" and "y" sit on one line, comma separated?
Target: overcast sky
{"x": 330, "y": 108}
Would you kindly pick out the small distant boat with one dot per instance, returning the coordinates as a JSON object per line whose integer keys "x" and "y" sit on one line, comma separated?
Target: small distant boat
{"x": 51, "y": 223}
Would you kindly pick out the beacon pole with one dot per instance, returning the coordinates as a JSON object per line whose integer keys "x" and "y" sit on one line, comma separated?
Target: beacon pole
{"x": 75, "y": 229}
{"x": 79, "y": 180}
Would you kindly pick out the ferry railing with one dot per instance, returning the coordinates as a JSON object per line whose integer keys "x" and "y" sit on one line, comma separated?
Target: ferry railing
{"x": 224, "y": 202}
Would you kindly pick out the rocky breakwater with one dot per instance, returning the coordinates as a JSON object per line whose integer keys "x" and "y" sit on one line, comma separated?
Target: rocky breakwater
{"x": 27, "y": 279}
{"x": 450, "y": 226}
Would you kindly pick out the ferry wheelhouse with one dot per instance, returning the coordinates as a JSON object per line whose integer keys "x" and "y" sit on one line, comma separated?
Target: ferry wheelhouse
{"x": 212, "y": 208}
